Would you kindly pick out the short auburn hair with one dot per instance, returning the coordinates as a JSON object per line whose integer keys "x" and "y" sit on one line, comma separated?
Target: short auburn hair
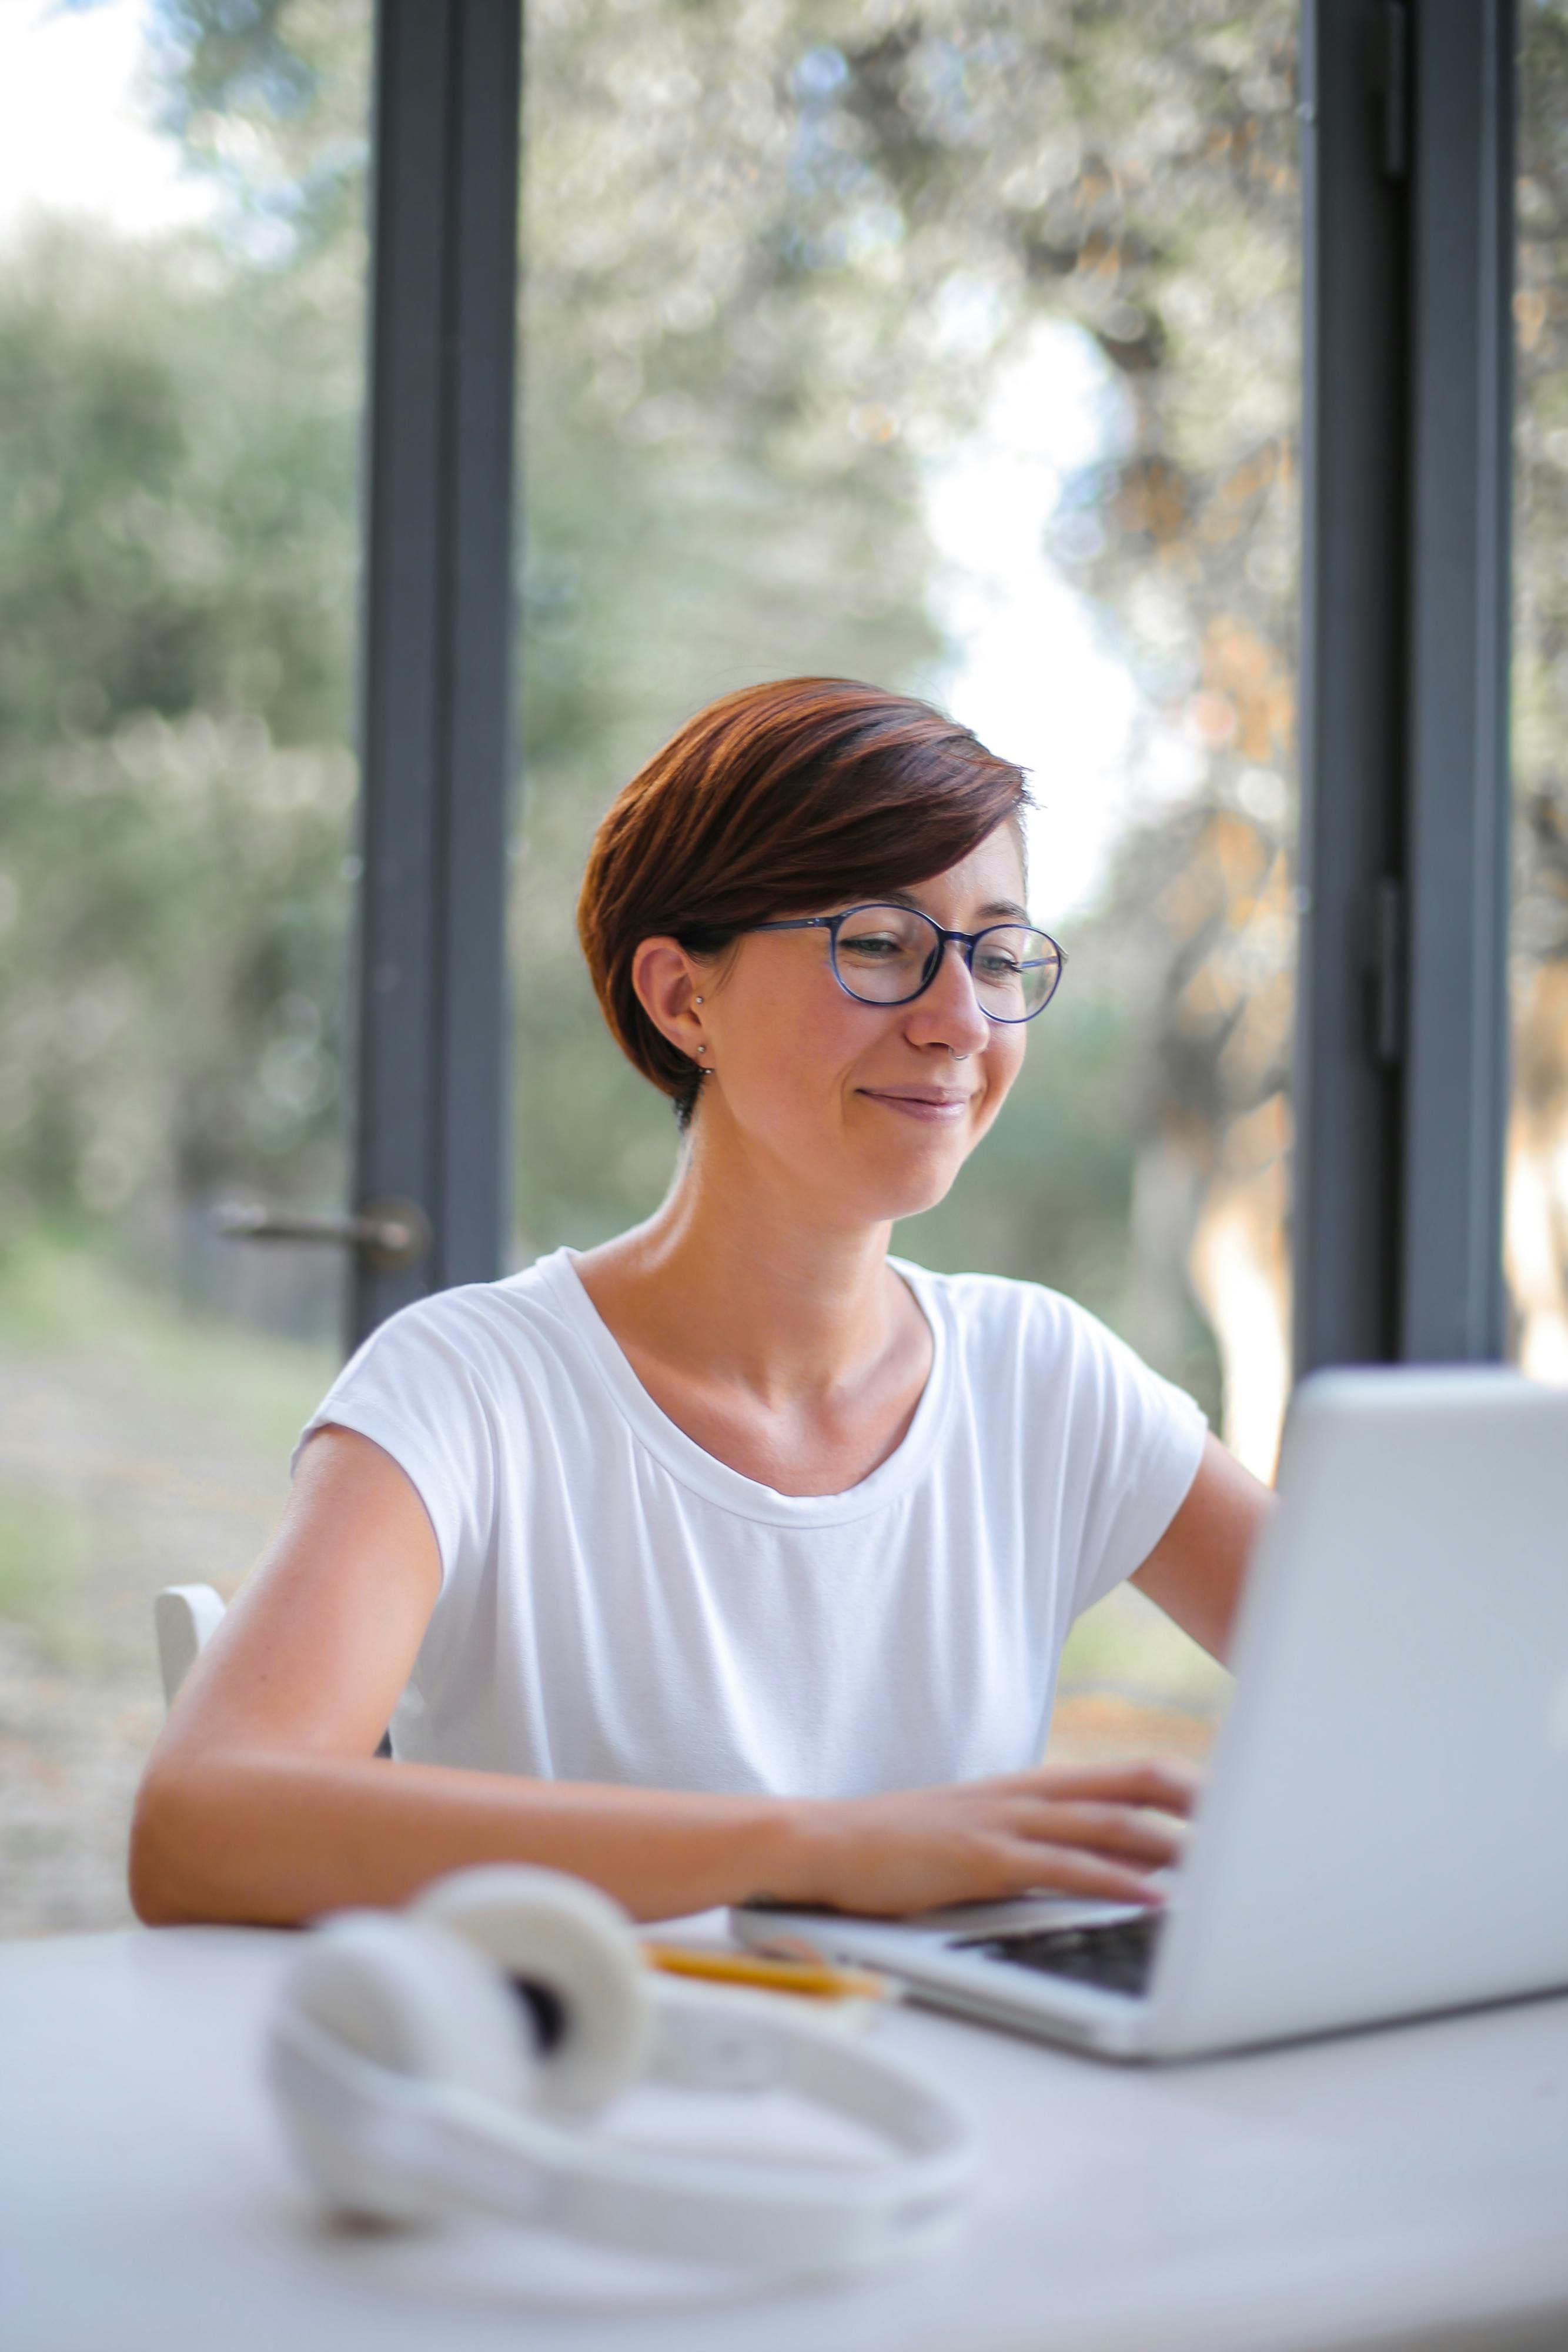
{"x": 780, "y": 799}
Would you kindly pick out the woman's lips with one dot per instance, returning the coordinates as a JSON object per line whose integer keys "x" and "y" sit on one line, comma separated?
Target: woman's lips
{"x": 922, "y": 1102}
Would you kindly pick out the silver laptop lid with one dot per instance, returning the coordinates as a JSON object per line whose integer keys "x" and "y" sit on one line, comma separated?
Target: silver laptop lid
{"x": 1386, "y": 1829}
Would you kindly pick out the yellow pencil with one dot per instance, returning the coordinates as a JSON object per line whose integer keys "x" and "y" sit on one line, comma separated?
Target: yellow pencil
{"x": 814, "y": 1979}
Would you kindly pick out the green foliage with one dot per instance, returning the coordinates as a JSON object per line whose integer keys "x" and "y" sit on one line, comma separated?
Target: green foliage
{"x": 269, "y": 98}
{"x": 176, "y": 591}
{"x": 177, "y": 470}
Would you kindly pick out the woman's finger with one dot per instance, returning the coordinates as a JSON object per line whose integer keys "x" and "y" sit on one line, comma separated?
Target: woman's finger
{"x": 1168, "y": 1786}
{"x": 1119, "y": 1829}
{"x": 1044, "y": 1869}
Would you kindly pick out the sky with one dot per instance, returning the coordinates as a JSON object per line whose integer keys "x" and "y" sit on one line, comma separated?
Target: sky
{"x": 74, "y": 137}
{"x": 1031, "y": 669}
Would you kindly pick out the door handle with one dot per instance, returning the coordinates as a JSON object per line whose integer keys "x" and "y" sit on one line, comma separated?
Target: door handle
{"x": 388, "y": 1235}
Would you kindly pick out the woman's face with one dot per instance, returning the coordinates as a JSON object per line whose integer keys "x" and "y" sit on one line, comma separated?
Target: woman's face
{"x": 870, "y": 1110}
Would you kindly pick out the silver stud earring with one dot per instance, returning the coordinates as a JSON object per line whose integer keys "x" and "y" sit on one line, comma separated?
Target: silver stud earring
{"x": 699, "y": 1000}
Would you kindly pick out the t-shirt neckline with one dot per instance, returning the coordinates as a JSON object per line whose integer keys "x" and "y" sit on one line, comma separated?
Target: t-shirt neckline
{"x": 698, "y": 1469}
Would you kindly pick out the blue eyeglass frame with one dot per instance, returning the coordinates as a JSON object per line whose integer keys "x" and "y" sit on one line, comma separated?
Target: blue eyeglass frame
{"x": 967, "y": 940}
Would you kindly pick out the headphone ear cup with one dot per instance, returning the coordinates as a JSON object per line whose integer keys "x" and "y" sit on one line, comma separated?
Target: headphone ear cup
{"x": 406, "y": 1998}
{"x": 576, "y": 1949}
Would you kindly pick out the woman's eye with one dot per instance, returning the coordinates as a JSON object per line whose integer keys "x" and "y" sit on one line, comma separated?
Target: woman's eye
{"x": 873, "y": 945}
{"x": 999, "y": 967}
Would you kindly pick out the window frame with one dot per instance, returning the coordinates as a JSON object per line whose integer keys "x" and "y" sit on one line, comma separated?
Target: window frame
{"x": 431, "y": 1055}
{"x": 1401, "y": 1064}
{"x": 1400, "y": 1075}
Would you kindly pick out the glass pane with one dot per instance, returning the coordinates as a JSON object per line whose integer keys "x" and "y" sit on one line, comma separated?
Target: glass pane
{"x": 1536, "y": 1216}
{"x": 181, "y": 326}
{"x": 953, "y": 346}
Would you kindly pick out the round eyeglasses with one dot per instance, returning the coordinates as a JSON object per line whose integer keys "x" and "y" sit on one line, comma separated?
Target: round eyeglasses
{"x": 886, "y": 954}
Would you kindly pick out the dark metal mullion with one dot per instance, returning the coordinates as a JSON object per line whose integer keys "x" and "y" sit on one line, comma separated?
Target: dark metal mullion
{"x": 446, "y": 328}
{"x": 1401, "y": 1077}
{"x": 472, "y": 1058}
{"x": 1458, "y": 795}
{"x": 399, "y": 968}
{"x": 1348, "y": 1080}
{"x": 436, "y": 666}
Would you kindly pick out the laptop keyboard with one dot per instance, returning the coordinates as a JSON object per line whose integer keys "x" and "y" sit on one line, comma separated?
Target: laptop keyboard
{"x": 1116, "y": 1955}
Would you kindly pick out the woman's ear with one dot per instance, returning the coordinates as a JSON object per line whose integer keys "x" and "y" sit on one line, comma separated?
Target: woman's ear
{"x": 668, "y": 987}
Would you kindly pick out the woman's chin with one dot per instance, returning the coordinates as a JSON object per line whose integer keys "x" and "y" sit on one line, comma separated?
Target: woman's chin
{"x": 911, "y": 1190}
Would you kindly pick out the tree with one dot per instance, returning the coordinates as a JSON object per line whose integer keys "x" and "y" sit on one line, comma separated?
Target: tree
{"x": 176, "y": 590}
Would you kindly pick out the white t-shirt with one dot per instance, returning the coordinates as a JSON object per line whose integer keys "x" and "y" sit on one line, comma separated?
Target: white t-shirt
{"x": 616, "y": 1604}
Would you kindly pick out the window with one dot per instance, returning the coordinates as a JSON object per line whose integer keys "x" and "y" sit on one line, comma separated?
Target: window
{"x": 955, "y": 348}
{"x": 182, "y": 323}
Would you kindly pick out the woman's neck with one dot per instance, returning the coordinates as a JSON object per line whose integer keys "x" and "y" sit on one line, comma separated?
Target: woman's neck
{"x": 738, "y": 1280}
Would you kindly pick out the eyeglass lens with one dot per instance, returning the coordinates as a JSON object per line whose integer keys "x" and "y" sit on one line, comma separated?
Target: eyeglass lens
{"x": 886, "y": 955}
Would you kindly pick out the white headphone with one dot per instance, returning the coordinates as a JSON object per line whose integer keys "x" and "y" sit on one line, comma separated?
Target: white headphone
{"x": 449, "y": 2056}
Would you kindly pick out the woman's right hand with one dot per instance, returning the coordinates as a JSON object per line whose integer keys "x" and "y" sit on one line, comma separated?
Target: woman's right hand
{"x": 1099, "y": 1831}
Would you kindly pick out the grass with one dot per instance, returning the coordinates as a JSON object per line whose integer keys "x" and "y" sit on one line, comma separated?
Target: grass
{"x": 43, "y": 1552}
{"x": 162, "y": 1439}
{"x": 57, "y": 1293}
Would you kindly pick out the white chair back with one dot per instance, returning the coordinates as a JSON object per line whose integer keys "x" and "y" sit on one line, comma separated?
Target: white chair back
{"x": 186, "y": 1616}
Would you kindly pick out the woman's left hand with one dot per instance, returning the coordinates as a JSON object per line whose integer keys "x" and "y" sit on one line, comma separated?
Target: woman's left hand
{"x": 1105, "y": 1831}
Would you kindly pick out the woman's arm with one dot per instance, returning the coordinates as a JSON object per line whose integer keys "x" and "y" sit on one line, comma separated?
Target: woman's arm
{"x": 1197, "y": 1570}
{"x": 264, "y": 1800}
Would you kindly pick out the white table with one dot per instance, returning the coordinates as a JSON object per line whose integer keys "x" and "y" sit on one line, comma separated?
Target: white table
{"x": 1397, "y": 2188}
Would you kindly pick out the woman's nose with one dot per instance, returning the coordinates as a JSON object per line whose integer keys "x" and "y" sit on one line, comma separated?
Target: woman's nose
{"x": 949, "y": 1013}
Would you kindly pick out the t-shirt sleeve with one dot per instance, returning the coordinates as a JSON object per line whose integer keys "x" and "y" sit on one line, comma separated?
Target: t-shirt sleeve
{"x": 415, "y": 1389}
{"x": 1134, "y": 1452}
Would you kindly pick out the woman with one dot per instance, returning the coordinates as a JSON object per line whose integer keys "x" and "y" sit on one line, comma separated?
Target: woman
{"x": 732, "y": 1558}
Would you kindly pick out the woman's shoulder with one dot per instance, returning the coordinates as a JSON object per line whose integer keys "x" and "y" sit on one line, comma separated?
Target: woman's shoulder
{"x": 438, "y": 1383}
{"x": 995, "y": 1321}
{"x": 499, "y": 1329}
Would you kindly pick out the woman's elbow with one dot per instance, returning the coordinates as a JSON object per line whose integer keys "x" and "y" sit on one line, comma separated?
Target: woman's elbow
{"x": 167, "y": 1835}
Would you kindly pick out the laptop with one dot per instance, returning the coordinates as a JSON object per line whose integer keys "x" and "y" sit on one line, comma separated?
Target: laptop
{"x": 1383, "y": 1830}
